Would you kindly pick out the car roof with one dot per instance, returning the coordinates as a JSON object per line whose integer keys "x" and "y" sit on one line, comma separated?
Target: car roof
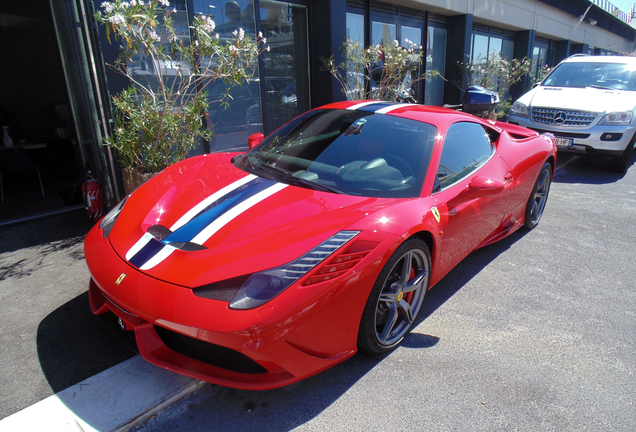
{"x": 435, "y": 115}
{"x": 578, "y": 58}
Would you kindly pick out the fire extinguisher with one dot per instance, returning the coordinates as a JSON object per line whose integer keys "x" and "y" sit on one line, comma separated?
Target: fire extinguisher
{"x": 92, "y": 197}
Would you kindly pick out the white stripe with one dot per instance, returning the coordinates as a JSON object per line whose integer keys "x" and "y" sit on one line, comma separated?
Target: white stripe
{"x": 226, "y": 217}
{"x": 159, "y": 257}
{"x": 209, "y": 200}
{"x": 143, "y": 241}
{"x": 363, "y": 104}
{"x": 391, "y": 108}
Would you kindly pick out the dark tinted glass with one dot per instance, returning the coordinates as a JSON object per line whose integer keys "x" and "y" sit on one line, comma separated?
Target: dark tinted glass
{"x": 352, "y": 152}
{"x": 466, "y": 147}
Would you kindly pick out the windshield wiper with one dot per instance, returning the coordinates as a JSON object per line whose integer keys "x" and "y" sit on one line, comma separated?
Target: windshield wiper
{"x": 601, "y": 87}
{"x": 289, "y": 177}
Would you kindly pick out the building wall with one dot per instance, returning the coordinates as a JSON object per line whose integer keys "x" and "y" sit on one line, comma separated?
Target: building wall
{"x": 548, "y": 21}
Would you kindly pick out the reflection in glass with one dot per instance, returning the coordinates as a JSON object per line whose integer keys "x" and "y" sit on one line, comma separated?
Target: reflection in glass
{"x": 382, "y": 33}
{"x": 286, "y": 64}
{"x": 355, "y": 27}
{"x": 480, "y": 47}
{"x": 411, "y": 86}
{"x": 228, "y": 120}
{"x": 435, "y": 60}
{"x": 284, "y": 79}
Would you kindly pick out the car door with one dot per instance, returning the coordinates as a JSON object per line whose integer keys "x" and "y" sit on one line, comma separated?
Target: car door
{"x": 472, "y": 190}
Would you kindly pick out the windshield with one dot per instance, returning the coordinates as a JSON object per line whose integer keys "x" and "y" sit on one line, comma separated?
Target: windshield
{"x": 353, "y": 152}
{"x": 618, "y": 76}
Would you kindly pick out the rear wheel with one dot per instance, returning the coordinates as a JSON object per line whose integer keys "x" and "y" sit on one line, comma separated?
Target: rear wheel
{"x": 396, "y": 298}
{"x": 538, "y": 197}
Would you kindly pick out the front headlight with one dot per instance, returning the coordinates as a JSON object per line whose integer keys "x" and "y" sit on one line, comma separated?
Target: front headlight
{"x": 621, "y": 118}
{"x": 108, "y": 221}
{"x": 263, "y": 286}
{"x": 519, "y": 109}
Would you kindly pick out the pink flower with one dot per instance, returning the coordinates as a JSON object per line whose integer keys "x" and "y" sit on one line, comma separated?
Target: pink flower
{"x": 209, "y": 25}
{"x": 117, "y": 19}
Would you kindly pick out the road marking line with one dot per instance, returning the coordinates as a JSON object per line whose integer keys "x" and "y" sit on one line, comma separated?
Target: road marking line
{"x": 114, "y": 400}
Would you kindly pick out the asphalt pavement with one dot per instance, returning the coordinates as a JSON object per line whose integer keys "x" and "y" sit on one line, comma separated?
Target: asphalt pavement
{"x": 535, "y": 332}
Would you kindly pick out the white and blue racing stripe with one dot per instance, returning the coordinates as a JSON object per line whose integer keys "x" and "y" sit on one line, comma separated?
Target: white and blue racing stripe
{"x": 203, "y": 220}
{"x": 377, "y": 106}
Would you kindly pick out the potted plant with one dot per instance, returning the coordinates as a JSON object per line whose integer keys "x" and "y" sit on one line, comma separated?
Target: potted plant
{"x": 159, "y": 118}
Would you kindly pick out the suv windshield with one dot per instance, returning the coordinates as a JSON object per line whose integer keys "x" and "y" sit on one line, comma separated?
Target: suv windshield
{"x": 347, "y": 151}
{"x": 618, "y": 76}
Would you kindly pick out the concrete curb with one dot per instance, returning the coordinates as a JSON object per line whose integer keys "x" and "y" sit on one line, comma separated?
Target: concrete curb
{"x": 114, "y": 400}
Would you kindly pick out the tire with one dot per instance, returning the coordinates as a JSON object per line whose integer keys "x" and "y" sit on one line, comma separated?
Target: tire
{"x": 538, "y": 197}
{"x": 396, "y": 298}
{"x": 621, "y": 163}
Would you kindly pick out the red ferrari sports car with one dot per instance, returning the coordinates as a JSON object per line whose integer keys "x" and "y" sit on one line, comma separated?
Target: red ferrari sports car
{"x": 256, "y": 270}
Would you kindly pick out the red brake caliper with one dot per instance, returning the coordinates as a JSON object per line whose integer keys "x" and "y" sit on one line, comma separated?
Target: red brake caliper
{"x": 409, "y": 296}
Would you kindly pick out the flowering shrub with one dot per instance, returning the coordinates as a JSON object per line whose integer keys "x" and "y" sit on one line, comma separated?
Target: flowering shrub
{"x": 159, "y": 117}
{"x": 390, "y": 70}
{"x": 542, "y": 72}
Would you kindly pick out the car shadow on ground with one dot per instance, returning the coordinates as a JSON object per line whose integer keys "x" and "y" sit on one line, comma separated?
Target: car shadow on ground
{"x": 294, "y": 405}
{"x": 73, "y": 345}
{"x": 582, "y": 169}
{"x": 61, "y": 230}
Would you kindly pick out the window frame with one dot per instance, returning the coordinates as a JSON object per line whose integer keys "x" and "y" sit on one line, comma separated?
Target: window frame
{"x": 488, "y": 132}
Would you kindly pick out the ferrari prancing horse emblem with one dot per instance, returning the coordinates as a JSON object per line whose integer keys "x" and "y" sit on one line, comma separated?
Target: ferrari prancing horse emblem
{"x": 120, "y": 278}
{"x": 435, "y": 213}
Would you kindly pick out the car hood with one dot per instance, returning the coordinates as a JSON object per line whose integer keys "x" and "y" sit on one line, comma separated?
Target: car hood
{"x": 226, "y": 222}
{"x": 580, "y": 99}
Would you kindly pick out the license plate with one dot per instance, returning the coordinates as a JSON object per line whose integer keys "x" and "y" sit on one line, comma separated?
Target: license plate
{"x": 564, "y": 142}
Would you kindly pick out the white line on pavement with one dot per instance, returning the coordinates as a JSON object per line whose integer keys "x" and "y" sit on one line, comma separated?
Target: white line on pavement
{"x": 114, "y": 400}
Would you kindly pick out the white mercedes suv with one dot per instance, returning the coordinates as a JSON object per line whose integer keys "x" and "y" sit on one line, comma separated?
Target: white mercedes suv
{"x": 589, "y": 104}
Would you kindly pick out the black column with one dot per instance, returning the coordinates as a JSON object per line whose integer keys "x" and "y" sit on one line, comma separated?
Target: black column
{"x": 524, "y": 43}
{"x": 460, "y": 29}
{"x": 327, "y": 31}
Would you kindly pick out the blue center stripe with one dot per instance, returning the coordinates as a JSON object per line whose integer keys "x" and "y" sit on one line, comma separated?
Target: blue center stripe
{"x": 375, "y": 106}
{"x": 204, "y": 218}
{"x": 187, "y": 232}
{"x": 147, "y": 252}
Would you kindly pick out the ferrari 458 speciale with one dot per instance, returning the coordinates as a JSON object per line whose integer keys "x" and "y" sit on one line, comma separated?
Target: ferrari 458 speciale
{"x": 258, "y": 269}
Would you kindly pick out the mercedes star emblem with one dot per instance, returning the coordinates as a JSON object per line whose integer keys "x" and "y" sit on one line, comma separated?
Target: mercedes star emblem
{"x": 559, "y": 117}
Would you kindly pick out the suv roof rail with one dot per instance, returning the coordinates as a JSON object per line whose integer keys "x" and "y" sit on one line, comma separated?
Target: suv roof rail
{"x": 578, "y": 55}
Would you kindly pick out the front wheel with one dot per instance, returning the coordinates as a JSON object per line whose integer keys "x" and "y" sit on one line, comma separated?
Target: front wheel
{"x": 538, "y": 197}
{"x": 621, "y": 163}
{"x": 396, "y": 298}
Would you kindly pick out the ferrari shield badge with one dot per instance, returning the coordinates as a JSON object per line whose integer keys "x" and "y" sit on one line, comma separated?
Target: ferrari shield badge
{"x": 435, "y": 213}
{"x": 120, "y": 278}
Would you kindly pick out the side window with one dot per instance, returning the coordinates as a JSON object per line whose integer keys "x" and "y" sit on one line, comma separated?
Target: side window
{"x": 466, "y": 147}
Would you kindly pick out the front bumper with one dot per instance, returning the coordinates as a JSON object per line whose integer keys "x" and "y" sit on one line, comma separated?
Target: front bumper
{"x": 264, "y": 348}
{"x": 596, "y": 139}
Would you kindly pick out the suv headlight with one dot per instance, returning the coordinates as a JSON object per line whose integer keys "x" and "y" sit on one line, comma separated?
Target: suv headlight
{"x": 519, "y": 109}
{"x": 617, "y": 118}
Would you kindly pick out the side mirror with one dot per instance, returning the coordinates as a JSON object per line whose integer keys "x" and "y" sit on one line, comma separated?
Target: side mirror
{"x": 254, "y": 140}
{"x": 478, "y": 99}
{"x": 480, "y": 187}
